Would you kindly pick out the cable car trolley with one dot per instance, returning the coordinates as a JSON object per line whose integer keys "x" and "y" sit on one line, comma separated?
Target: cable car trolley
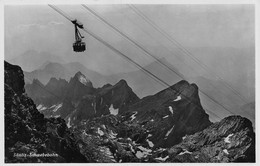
{"x": 78, "y": 45}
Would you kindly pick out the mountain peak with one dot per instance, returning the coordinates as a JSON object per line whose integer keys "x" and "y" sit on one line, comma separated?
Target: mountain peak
{"x": 36, "y": 81}
{"x": 14, "y": 77}
{"x": 122, "y": 82}
{"x": 79, "y": 73}
{"x": 186, "y": 89}
{"x": 83, "y": 79}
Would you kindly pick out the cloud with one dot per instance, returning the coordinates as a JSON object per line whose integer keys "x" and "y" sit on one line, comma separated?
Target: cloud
{"x": 55, "y": 23}
{"x": 41, "y": 26}
{"x": 27, "y": 26}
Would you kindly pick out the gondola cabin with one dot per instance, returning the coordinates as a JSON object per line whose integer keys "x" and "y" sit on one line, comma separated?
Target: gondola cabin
{"x": 78, "y": 45}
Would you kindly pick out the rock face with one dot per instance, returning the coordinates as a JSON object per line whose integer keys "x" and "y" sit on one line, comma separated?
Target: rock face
{"x": 78, "y": 87}
{"x": 106, "y": 100}
{"x": 29, "y": 137}
{"x": 77, "y": 99}
{"x": 145, "y": 128}
{"x": 177, "y": 110}
{"x": 230, "y": 140}
{"x": 114, "y": 139}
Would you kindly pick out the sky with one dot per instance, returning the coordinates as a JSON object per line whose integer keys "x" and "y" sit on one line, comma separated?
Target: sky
{"x": 40, "y": 28}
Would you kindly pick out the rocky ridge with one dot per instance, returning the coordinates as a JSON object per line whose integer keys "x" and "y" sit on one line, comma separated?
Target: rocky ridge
{"x": 29, "y": 137}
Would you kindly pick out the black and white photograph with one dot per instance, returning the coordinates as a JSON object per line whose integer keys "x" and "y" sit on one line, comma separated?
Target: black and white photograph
{"x": 129, "y": 82}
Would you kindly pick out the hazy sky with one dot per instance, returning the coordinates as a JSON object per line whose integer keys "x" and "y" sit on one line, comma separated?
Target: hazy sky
{"x": 42, "y": 29}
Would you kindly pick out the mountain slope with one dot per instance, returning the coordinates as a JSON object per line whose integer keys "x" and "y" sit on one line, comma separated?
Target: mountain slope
{"x": 179, "y": 105}
{"x": 230, "y": 140}
{"x": 29, "y": 137}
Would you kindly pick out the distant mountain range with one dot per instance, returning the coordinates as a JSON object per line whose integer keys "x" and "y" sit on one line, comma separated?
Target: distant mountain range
{"x": 63, "y": 71}
{"x": 36, "y": 59}
{"x": 144, "y": 85}
{"x": 79, "y": 95}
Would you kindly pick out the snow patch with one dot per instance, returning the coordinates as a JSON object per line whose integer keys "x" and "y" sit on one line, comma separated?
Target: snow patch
{"x": 104, "y": 127}
{"x": 112, "y": 134}
{"x": 52, "y": 106}
{"x": 83, "y": 80}
{"x": 185, "y": 151}
{"x": 227, "y": 139}
{"x": 133, "y": 116}
{"x": 170, "y": 109}
{"x": 144, "y": 149}
{"x": 162, "y": 159}
{"x": 95, "y": 107}
{"x": 84, "y": 133}
{"x": 225, "y": 151}
{"x": 131, "y": 147}
{"x": 108, "y": 153}
{"x": 139, "y": 154}
{"x": 149, "y": 135}
{"x": 100, "y": 132}
{"x": 150, "y": 143}
{"x": 151, "y": 120}
{"x": 183, "y": 138}
{"x": 68, "y": 124}
{"x": 112, "y": 110}
{"x": 178, "y": 98}
{"x": 57, "y": 107}
{"x": 56, "y": 116}
{"x": 144, "y": 152}
{"x": 41, "y": 107}
{"x": 101, "y": 101}
{"x": 160, "y": 150}
{"x": 166, "y": 116}
{"x": 169, "y": 131}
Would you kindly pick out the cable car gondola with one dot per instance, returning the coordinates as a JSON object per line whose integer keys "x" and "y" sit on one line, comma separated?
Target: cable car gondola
{"x": 78, "y": 45}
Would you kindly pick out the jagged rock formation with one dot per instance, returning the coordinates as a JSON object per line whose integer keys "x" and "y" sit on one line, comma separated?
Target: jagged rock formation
{"x": 78, "y": 100}
{"x": 230, "y": 140}
{"x": 106, "y": 100}
{"x": 28, "y": 135}
{"x": 114, "y": 139}
{"x": 176, "y": 109}
{"x": 78, "y": 86}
